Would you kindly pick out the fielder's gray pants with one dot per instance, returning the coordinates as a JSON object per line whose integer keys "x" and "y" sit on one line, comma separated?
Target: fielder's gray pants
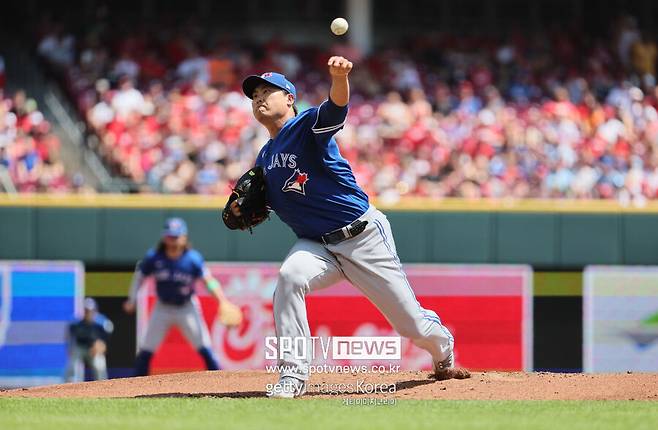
{"x": 78, "y": 356}
{"x": 187, "y": 318}
{"x": 370, "y": 262}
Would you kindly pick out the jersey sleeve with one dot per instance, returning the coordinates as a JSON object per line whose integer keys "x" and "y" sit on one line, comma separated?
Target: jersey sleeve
{"x": 330, "y": 118}
{"x": 72, "y": 331}
{"x": 106, "y": 326}
{"x": 145, "y": 267}
{"x": 199, "y": 265}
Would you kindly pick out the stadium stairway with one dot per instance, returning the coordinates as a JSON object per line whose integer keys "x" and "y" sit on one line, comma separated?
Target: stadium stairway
{"x": 25, "y": 72}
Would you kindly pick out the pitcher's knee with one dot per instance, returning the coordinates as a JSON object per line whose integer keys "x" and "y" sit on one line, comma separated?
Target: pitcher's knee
{"x": 291, "y": 276}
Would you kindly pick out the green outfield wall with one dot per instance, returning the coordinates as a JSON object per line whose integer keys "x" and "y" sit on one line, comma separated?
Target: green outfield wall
{"x": 115, "y": 231}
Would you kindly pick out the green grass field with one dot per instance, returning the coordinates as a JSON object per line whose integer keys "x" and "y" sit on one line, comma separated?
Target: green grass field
{"x": 209, "y": 413}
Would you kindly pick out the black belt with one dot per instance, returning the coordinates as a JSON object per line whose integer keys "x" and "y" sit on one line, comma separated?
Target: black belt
{"x": 344, "y": 233}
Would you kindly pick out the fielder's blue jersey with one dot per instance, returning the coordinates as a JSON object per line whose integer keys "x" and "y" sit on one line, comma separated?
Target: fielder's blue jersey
{"x": 84, "y": 333}
{"x": 174, "y": 279}
{"x": 310, "y": 185}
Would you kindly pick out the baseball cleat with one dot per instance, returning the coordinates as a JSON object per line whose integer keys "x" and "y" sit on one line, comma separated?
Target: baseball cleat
{"x": 288, "y": 387}
{"x": 446, "y": 370}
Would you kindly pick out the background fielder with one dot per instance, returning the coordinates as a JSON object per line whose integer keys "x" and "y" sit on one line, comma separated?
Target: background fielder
{"x": 87, "y": 343}
{"x": 176, "y": 267}
{"x": 340, "y": 235}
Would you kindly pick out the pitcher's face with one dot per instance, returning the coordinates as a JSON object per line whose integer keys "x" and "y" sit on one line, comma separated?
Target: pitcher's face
{"x": 269, "y": 103}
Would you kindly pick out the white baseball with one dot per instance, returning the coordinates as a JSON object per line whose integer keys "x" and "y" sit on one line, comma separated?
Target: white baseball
{"x": 339, "y": 26}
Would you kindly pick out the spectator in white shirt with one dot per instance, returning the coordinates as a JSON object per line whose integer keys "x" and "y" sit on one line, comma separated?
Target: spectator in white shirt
{"x": 127, "y": 99}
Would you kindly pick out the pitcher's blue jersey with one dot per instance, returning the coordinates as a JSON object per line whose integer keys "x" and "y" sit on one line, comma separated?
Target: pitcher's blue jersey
{"x": 174, "y": 279}
{"x": 310, "y": 185}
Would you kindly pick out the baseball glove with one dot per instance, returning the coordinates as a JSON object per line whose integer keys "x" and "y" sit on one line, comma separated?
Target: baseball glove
{"x": 249, "y": 192}
{"x": 230, "y": 315}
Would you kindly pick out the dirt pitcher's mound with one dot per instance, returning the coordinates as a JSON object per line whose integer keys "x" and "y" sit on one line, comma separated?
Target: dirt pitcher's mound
{"x": 403, "y": 385}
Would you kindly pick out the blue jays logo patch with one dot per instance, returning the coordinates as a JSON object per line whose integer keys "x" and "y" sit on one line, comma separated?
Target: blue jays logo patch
{"x": 296, "y": 183}
{"x": 266, "y": 75}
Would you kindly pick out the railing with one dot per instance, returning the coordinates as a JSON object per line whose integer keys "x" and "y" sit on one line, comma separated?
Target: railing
{"x": 6, "y": 181}
{"x": 76, "y": 134}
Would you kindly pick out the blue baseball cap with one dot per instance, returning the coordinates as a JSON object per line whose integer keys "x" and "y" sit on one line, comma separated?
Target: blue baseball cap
{"x": 271, "y": 78}
{"x": 174, "y": 227}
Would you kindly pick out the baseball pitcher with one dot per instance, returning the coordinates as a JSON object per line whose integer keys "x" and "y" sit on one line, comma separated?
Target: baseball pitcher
{"x": 340, "y": 234}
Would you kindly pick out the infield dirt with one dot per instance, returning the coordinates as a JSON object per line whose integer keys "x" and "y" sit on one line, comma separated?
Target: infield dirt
{"x": 405, "y": 385}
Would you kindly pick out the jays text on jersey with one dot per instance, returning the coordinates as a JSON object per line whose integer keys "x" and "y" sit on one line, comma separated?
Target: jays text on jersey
{"x": 310, "y": 185}
{"x": 174, "y": 278}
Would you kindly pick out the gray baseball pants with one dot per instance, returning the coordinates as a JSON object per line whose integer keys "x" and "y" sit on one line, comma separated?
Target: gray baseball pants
{"x": 370, "y": 262}
{"x": 187, "y": 318}
{"x": 78, "y": 356}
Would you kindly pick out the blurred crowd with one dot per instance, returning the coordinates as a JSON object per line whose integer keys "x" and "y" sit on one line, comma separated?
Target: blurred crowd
{"x": 29, "y": 151}
{"x": 548, "y": 114}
